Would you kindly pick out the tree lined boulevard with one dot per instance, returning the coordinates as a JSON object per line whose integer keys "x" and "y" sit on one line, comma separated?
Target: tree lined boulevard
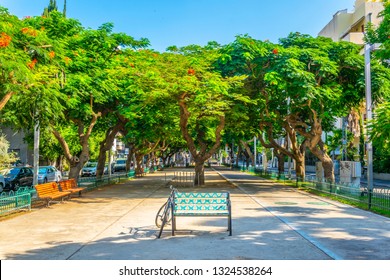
{"x": 270, "y": 222}
{"x": 84, "y": 87}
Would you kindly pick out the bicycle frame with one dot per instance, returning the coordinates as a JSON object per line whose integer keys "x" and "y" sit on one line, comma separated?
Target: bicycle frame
{"x": 167, "y": 210}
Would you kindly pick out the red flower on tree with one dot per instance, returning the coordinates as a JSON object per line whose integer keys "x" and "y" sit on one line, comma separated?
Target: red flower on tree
{"x": 68, "y": 60}
{"x": 4, "y": 40}
{"x": 275, "y": 51}
{"x": 191, "y": 71}
{"x": 29, "y": 31}
{"x": 31, "y": 65}
{"x": 52, "y": 54}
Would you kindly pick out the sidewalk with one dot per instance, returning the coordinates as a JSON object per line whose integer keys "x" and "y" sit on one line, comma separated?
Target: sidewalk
{"x": 269, "y": 222}
{"x": 341, "y": 231}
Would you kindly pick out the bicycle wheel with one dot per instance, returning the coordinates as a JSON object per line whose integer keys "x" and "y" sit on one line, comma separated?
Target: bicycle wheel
{"x": 161, "y": 213}
{"x": 164, "y": 219}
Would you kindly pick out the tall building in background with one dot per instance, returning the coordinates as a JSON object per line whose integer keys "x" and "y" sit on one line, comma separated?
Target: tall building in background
{"x": 349, "y": 26}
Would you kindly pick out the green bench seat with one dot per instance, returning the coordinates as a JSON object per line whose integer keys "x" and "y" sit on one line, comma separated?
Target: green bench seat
{"x": 191, "y": 204}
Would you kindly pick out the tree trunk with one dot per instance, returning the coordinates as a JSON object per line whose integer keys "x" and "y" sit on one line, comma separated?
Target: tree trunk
{"x": 326, "y": 160}
{"x": 300, "y": 167}
{"x": 204, "y": 152}
{"x": 139, "y": 158}
{"x": 152, "y": 161}
{"x": 199, "y": 173}
{"x": 105, "y": 146}
{"x": 75, "y": 168}
{"x": 327, "y": 164}
{"x": 297, "y": 153}
{"x": 148, "y": 159}
{"x": 77, "y": 163}
{"x": 128, "y": 160}
{"x": 280, "y": 157}
{"x": 249, "y": 153}
{"x": 101, "y": 163}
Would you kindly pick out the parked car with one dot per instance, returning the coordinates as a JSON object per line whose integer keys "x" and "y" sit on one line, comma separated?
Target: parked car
{"x": 89, "y": 169}
{"x": 120, "y": 165}
{"x": 17, "y": 177}
{"x": 2, "y": 183}
{"x": 48, "y": 174}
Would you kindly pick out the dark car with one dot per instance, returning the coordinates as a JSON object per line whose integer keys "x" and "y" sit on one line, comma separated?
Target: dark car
{"x": 18, "y": 177}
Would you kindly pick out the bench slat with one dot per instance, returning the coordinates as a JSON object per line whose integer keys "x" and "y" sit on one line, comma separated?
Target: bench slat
{"x": 201, "y": 195}
{"x": 201, "y": 201}
{"x": 70, "y": 185}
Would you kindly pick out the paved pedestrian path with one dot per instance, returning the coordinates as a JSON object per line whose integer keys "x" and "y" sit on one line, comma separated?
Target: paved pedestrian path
{"x": 269, "y": 222}
{"x": 339, "y": 230}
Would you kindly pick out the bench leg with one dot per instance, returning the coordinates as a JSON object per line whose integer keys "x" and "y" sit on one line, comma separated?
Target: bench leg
{"x": 173, "y": 224}
{"x": 230, "y": 225}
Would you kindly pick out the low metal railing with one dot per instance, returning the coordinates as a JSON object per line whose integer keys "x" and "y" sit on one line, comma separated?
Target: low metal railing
{"x": 23, "y": 198}
{"x": 183, "y": 179}
{"x": 92, "y": 182}
{"x": 376, "y": 199}
{"x": 14, "y": 201}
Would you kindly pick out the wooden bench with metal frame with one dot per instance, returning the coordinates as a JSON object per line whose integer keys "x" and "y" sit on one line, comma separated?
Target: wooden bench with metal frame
{"x": 70, "y": 185}
{"x": 50, "y": 192}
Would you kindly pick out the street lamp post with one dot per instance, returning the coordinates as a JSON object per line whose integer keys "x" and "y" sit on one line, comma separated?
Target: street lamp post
{"x": 36, "y": 149}
{"x": 288, "y": 140}
{"x": 254, "y": 153}
{"x": 368, "y": 48}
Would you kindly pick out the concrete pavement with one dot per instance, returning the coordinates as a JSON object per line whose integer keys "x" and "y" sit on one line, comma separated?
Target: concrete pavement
{"x": 339, "y": 230}
{"x": 269, "y": 222}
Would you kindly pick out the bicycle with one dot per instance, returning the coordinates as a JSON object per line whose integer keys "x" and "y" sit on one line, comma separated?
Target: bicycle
{"x": 164, "y": 214}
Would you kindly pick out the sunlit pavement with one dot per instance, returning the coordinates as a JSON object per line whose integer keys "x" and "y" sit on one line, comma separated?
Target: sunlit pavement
{"x": 269, "y": 222}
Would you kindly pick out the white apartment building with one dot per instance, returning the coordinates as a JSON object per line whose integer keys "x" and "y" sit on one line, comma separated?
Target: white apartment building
{"x": 349, "y": 26}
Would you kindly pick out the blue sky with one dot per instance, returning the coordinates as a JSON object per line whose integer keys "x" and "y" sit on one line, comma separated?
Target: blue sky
{"x": 183, "y": 22}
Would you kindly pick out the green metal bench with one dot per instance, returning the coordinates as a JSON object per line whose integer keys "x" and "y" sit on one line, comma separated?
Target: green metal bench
{"x": 192, "y": 204}
{"x": 131, "y": 174}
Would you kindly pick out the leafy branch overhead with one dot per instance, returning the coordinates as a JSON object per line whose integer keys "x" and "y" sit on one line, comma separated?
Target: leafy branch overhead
{"x": 85, "y": 86}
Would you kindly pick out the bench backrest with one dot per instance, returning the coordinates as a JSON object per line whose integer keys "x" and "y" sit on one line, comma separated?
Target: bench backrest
{"x": 46, "y": 189}
{"x": 197, "y": 203}
{"x": 68, "y": 184}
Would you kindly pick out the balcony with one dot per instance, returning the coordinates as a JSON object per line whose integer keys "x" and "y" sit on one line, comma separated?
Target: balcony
{"x": 354, "y": 37}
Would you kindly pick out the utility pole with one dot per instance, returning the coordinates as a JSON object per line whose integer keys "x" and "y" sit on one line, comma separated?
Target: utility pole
{"x": 288, "y": 140}
{"x": 368, "y": 48}
{"x": 64, "y": 11}
{"x": 254, "y": 153}
{"x": 367, "y": 69}
{"x": 36, "y": 149}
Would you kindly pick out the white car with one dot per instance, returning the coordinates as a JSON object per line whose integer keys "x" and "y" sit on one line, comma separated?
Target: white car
{"x": 90, "y": 168}
{"x": 48, "y": 174}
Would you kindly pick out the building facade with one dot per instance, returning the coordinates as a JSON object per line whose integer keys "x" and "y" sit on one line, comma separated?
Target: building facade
{"x": 18, "y": 145}
{"x": 350, "y": 26}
